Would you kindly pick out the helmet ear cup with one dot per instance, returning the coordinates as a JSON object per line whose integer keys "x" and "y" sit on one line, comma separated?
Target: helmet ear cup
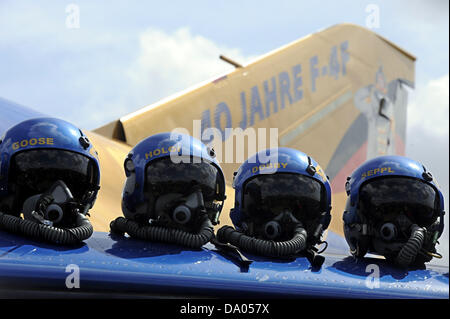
{"x": 221, "y": 186}
{"x": 130, "y": 184}
{"x": 138, "y": 213}
{"x": 128, "y": 190}
{"x": 358, "y": 243}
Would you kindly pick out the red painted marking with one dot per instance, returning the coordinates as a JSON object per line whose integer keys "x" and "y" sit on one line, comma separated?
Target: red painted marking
{"x": 359, "y": 157}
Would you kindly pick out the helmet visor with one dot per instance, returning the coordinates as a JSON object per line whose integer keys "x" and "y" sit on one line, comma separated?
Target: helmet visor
{"x": 273, "y": 194}
{"x": 163, "y": 176}
{"x": 385, "y": 198}
{"x": 37, "y": 170}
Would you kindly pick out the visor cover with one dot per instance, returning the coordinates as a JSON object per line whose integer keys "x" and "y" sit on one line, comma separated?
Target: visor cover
{"x": 37, "y": 170}
{"x": 273, "y": 194}
{"x": 164, "y": 176}
{"x": 385, "y": 198}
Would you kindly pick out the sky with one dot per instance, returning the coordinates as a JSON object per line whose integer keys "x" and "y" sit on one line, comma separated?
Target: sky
{"x": 120, "y": 56}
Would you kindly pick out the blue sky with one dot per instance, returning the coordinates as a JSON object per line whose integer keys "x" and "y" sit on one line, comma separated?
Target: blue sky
{"x": 129, "y": 54}
{"x": 44, "y": 63}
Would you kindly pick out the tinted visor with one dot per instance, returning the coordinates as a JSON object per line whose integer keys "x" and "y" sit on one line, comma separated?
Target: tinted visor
{"x": 385, "y": 198}
{"x": 272, "y": 194}
{"x": 164, "y": 176}
{"x": 35, "y": 171}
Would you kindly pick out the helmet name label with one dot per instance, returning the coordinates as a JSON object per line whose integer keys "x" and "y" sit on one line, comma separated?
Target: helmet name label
{"x": 32, "y": 142}
{"x": 268, "y": 166}
{"x": 321, "y": 173}
{"x": 376, "y": 171}
{"x": 162, "y": 150}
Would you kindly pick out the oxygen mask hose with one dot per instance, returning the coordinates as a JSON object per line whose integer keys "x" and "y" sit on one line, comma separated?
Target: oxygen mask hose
{"x": 268, "y": 248}
{"x": 182, "y": 214}
{"x": 162, "y": 234}
{"x": 61, "y": 236}
{"x": 409, "y": 251}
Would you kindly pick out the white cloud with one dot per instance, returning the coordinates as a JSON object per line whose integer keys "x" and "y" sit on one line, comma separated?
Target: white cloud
{"x": 428, "y": 140}
{"x": 169, "y": 63}
{"x": 96, "y": 71}
{"x": 165, "y": 63}
{"x": 429, "y": 106}
{"x": 104, "y": 81}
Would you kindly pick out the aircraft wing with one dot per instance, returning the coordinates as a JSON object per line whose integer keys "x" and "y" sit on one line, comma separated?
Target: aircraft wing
{"x": 123, "y": 267}
{"x": 322, "y": 92}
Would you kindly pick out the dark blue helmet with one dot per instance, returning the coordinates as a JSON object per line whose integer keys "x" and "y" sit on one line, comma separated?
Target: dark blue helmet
{"x": 165, "y": 170}
{"x": 275, "y": 181}
{"x": 36, "y": 153}
{"x": 389, "y": 199}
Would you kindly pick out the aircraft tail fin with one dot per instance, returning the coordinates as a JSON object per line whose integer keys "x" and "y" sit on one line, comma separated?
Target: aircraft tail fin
{"x": 338, "y": 95}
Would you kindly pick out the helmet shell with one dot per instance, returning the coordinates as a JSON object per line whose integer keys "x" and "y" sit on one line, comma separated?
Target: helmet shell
{"x": 43, "y": 133}
{"x": 159, "y": 146}
{"x": 379, "y": 167}
{"x": 272, "y": 161}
